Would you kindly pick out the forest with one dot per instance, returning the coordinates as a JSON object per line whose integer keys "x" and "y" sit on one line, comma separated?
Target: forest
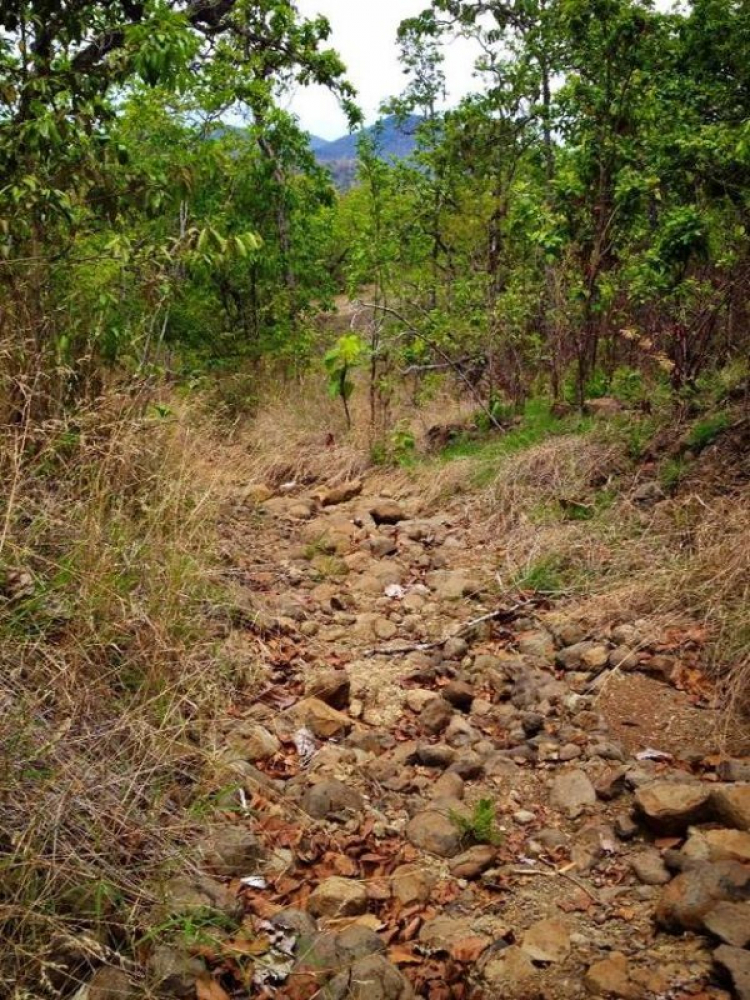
{"x": 272, "y": 423}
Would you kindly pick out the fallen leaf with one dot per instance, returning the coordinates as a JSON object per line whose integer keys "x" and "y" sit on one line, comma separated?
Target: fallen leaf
{"x": 403, "y": 956}
{"x": 469, "y": 949}
{"x": 208, "y": 989}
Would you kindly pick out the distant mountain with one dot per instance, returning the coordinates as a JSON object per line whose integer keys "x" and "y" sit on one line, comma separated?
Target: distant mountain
{"x": 395, "y": 141}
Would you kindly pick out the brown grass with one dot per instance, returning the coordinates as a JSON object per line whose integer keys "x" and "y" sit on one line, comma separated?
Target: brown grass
{"x": 108, "y": 676}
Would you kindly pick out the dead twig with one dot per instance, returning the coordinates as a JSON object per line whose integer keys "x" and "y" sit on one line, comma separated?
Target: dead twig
{"x": 501, "y": 614}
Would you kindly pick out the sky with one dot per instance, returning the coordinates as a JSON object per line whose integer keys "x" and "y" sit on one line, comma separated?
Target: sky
{"x": 364, "y": 34}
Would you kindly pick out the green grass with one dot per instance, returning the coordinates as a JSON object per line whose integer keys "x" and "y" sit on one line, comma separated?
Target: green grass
{"x": 538, "y": 423}
{"x": 549, "y": 575}
{"x": 705, "y": 432}
{"x": 480, "y": 827}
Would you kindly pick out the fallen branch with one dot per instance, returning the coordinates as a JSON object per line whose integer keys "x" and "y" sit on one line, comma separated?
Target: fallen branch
{"x": 552, "y": 872}
{"x": 507, "y": 614}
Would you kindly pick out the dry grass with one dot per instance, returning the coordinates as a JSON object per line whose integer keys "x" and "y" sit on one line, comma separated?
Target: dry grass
{"x": 299, "y": 433}
{"x": 684, "y": 561}
{"x": 108, "y": 676}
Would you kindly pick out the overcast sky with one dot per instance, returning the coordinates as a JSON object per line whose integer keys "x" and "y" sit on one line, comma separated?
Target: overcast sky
{"x": 364, "y": 34}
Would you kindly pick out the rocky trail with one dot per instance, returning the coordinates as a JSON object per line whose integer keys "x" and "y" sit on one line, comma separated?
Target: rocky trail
{"x": 453, "y": 792}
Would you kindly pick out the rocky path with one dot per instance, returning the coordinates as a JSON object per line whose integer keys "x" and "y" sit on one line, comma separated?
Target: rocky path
{"x": 452, "y": 792}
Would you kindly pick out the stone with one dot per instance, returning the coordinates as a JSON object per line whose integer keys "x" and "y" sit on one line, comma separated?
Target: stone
{"x": 383, "y": 545}
{"x": 547, "y": 941}
{"x": 323, "y": 721}
{"x": 538, "y": 645}
{"x": 451, "y": 585}
{"x": 186, "y": 895}
{"x": 435, "y": 833}
{"x": 469, "y": 766}
{"x": 109, "y": 983}
{"x": 256, "y": 743}
{"x": 412, "y": 884}
{"x": 649, "y": 868}
{"x": 371, "y": 978}
{"x": 448, "y": 786}
{"x": 572, "y": 792}
{"x": 734, "y": 770}
{"x": 626, "y": 827}
{"x": 731, "y": 923}
{"x": 670, "y": 807}
{"x": 332, "y": 799}
{"x": 455, "y": 648}
{"x": 611, "y": 978}
{"x": 357, "y": 942}
{"x": 472, "y": 863}
{"x": 583, "y": 656}
{"x": 300, "y": 923}
{"x": 735, "y": 962}
{"x": 338, "y": 897}
{"x": 438, "y": 755}
{"x": 623, "y": 658}
{"x": 173, "y": 971}
{"x": 732, "y": 805}
{"x": 611, "y": 783}
{"x": 387, "y": 512}
{"x": 505, "y": 968}
{"x": 435, "y": 716}
{"x": 339, "y": 494}
{"x": 459, "y": 694}
{"x": 258, "y": 493}
{"x": 230, "y": 851}
{"x": 690, "y": 897}
{"x": 718, "y": 845}
{"x": 440, "y": 933}
{"x": 417, "y": 698}
{"x": 331, "y": 686}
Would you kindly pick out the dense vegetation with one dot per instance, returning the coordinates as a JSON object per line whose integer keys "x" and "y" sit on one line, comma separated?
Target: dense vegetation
{"x": 586, "y": 210}
{"x": 578, "y": 227}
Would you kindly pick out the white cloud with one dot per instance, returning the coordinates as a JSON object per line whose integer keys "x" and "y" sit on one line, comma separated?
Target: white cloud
{"x": 364, "y": 34}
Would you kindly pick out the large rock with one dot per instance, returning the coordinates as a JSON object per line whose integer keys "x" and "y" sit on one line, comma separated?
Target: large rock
{"x": 572, "y": 792}
{"x": 732, "y": 805}
{"x": 505, "y": 969}
{"x": 332, "y": 800}
{"x": 371, "y": 978}
{"x": 718, "y": 845}
{"x": 689, "y": 898}
{"x": 730, "y": 922}
{"x": 339, "y": 494}
{"x": 323, "y": 721}
{"x": 670, "y": 807}
{"x": 174, "y": 972}
{"x": 547, "y": 941}
{"x": 583, "y": 656}
{"x": 412, "y": 884}
{"x": 649, "y": 867}
{"x": 735, "y": 962}
{"x": 331, "y": 686}
{"x": 387, "y": 512}
{"x": 338, "y": 897}
{"x": 188, "y": 895}
{"x": 434, "y": 832}
{"x": 611, "y": 978}
{"x": 435, "y": 716}
{"x": 230, "y": 851}
{"x": 473, "y": 862}
{"x": 451, "y": 585}
{"x": 255, "y": 743}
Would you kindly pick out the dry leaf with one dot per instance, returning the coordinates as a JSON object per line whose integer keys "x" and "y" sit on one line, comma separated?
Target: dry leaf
{"x": 403, "y": 956}
{"x": 208, "y": 989}
{"x": 469, "y": 949}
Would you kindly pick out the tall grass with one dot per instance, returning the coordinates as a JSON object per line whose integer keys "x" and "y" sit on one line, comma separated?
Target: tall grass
{"x": 107, "y": 674}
